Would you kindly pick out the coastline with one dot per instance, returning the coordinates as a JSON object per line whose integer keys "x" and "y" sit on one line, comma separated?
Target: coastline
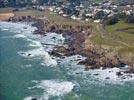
{"x": 74, "y": 41}
{"x": 96, "y": 58}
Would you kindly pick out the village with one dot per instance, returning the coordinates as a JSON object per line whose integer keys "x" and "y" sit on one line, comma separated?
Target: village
{"x": 87, "y": 11}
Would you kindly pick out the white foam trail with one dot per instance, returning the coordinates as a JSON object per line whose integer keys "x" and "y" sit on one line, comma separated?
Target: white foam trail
{"x": 75, "y": 59}
{"x": 19, "y": 36}
{"x": 17, "y": 27}
{"x": 4, "y": 29}
{"x": 50, "y": 40}
{"x": 53, "y": 39}
{"x": 34, "y": 43}
{"x": 54, "y": 88}
{"x": 110, "y": 74}
{"x": 39, "y": 53}
{"x": 28, "y": 66}
{"x": 105, "y": 76}
{"x": 28, "y": 98}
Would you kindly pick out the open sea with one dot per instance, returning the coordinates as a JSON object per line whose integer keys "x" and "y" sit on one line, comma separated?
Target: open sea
{"x": 27, "y": 70}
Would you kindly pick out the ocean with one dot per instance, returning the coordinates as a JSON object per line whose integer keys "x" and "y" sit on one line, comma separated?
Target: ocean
{"x": 28, "y": 71}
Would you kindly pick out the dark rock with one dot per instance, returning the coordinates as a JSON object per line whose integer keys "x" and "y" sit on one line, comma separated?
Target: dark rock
{"x": 107, "y": 78}
{"x": 96, "y": 74}
{"x": 119, "y": 74}
{"x": 29, "y": 54}
{"x": 54, "y": 38}
{"x": 34, "y": 99}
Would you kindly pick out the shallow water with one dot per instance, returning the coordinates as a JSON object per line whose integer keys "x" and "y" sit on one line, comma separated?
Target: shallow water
{"x": 42, "y": 76}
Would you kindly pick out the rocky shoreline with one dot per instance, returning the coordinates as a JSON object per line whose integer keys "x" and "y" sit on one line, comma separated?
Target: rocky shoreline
{"x": 96, "y": 57}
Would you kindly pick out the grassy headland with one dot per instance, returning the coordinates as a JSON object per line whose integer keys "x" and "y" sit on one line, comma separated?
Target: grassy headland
{"x": 119, "y": 38}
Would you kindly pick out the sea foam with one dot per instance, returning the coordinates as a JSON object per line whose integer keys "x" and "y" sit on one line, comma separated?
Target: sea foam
{"x": 39, "y": 52}
{"x": 19, "y": 36}
{"x": 17, "y": 27}
{"x": 99, "y": 76}
{"x": 53, "y": 88}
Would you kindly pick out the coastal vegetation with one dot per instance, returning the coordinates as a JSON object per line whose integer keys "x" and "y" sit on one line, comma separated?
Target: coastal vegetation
{"x": 118, "y": 38}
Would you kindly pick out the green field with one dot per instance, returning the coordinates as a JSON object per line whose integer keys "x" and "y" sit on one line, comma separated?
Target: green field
{"x": 119, "y": 38}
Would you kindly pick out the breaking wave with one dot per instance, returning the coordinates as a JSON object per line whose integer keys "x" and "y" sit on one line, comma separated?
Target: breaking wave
{"x": 52, "y": 88}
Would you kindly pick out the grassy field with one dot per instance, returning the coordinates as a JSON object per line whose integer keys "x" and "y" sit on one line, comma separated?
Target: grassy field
{"x": 119, "y": 38}
{"x": 6, "y": 10}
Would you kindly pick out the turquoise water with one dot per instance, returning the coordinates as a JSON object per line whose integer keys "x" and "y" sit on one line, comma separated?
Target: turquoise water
{"x": 18, "y": 74}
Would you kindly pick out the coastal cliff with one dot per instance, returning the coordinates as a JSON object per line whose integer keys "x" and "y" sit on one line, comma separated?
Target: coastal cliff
{"x": 75, "y": 36}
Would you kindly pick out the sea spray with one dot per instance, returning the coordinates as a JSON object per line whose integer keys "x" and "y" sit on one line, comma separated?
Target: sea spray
{"x": 17, "y": 27}
{"x": 53, "y": 88}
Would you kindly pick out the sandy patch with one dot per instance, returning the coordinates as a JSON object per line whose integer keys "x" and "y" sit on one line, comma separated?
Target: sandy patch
{"x": 5, "y": 16}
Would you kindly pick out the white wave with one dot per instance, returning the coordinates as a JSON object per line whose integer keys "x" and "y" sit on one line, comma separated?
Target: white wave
{"x": 28, "y": 98}
{"x": 39, "y": 53}
{"x": 28, "y": 66}
{"x": 49, "y": 41}
{"x": 4, "y": 29}
{"x": 34, "y": 43}
{"x": 19, "y": 36}
{"x": 104, "y": 76}
{"x": 70, "y": 64}
{"x": 75, "y": 59}
{"x": 53, "y": 39}
{"x": 31, "y": 98}
{"x": 17, "y": 27}
{"x": 110, "y": 74}
{"x": 54, "y": 88}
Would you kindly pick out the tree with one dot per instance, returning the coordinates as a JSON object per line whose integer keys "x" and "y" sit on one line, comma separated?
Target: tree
{"x": 112, "y": 20}
{"x": 130, "y": 19}
{"x": 100, "y": 15}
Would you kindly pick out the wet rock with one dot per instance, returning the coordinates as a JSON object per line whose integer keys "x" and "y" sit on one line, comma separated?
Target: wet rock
{"x": 107, "y": 78}
{"x": 96, "y": 74}
{"x": 119, "y": 74}
{"x": 29, "y": 54}
{"x": 54, "y": 38}
{"x": 123, "y": 77}
{"x": 34, "y": 99}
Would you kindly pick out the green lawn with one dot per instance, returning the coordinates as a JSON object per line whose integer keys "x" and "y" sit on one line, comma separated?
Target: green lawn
{"x": 126, "y": 36}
